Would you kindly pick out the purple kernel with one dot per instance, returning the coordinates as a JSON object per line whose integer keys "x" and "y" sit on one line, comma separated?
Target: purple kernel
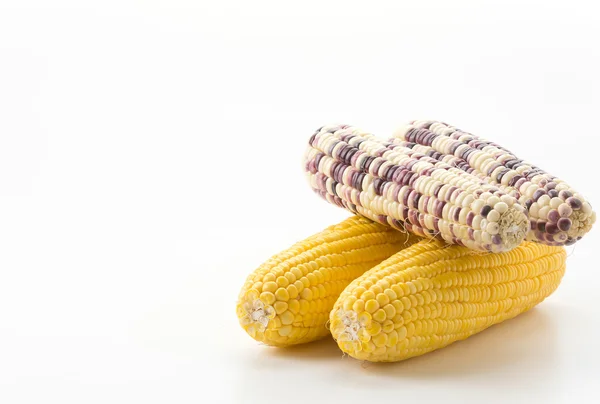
{"x": 553, "y": 216}
{"x": 538, "y": 193}
{"x": 574, "y": 203}
{"x": 470, "y": 217}
{"x": 564, "y": 224}
{"x": 551, "y": 185}
{"x": 551, "y": 228}
{"x": 565, "y": 194}
{"x": 456, "y": 214}
{"x": 541, "y": 226}
{"x": 496, "y": 239}
{"x": 485, "y": 210}
{"x": 553, "y": 193}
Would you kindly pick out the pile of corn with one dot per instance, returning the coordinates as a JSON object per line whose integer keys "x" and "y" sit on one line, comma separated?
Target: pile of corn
{"x": 452, "y": 234}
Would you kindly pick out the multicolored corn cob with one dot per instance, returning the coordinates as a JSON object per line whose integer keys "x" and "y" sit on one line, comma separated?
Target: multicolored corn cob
{"x": 287, "y": 300}
{"x": 396, "y": 186}
{"x": 431, "y": 295}
{"x": 559, "y": 215}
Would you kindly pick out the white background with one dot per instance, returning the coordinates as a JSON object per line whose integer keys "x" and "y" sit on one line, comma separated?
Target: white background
{"x": 150, "y": 159}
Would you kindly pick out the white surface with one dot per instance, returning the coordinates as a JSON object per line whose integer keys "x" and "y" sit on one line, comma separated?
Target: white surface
{"x": 150, "y": 159}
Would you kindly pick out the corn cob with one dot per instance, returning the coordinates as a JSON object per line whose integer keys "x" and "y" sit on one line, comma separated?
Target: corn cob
{"x": 393, "y": 185}
{"x": 559, "y": 215}
{"x": 431, "y": 295}
{"x": 287, "y": 300}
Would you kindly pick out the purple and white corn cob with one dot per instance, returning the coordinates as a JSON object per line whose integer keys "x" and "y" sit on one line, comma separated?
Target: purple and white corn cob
{"x": 558, "y": 214}
{"x": 400, "y": 187}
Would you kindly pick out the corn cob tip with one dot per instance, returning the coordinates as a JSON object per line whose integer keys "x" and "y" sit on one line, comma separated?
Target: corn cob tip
{"x": 513, "y": 226}
{"x": 254, "y": 315}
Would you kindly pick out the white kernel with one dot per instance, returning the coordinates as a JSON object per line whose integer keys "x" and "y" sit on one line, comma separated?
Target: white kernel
{"x": 468, "y": 200}
{"x": 531, "y": 190}
{"x": 564, "y": 210}
{"x": 462, "y": 216}
{"x": 534, "y": 209}
{"x": 555, "y": 202}
{"x": 586, "y": 208}
{"x": 477, "y": 205}
{"x": 493, "y": 200}
{"x": 492, "y": 228}
{"x": 486, "y": 195}
{"x": 493, "y": 216}
{"x": 524, "y": 186}
{"x": 501, "y": 207}
{"x": 508, "y": 200}
{"x": 544, "y": 200}
{"x": 543, "y": 212}
{"x": 486, "y": 237}
{"x": 477, "y": 222}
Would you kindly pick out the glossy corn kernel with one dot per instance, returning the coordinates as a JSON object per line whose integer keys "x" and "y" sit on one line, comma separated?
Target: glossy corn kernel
{"x": 396, "y": 186}
{"x": 431, "y": 295}
{"x": 287, "y": 300}
{"x": 559, "y": 215}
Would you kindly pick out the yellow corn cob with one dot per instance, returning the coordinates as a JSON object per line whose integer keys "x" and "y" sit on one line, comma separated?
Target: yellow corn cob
{"x": 431, "y": 295}
{"x": 287, "y": 300}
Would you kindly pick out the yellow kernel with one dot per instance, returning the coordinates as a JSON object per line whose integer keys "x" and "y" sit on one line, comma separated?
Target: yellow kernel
{"x": 368, "y": 295}
{"x": 282, "y": 294}
{"x": 379, "y": 315}
{"x": 297, "y": 273}
{"x": 292, "y": 291}
{"x": 387, "y": 326}
{"x": 267, "y": 297}
{"x": 392, "y": 338}
{"x": 363, "y": 335}
{"x": 382, "y": 299}
{"x": 285, "y": 330}
{"x": 390, "y": 311}
{"x": 282, "y": 281}
{"x": 299, "y": 285}
{"x": 374, "y": 329}
{"x": 312, "y": 279}
{"x": 305, "y": 281}
{"x": 371, "y": 306}
{"x": 402, "y": 332}
{"x": 307, "y": 294}
{"x": 294, "y": 306}
{"x": 410, "y": 330}
{"x": 358, "y": 291}
{"x": 286, "y": 318}
{"x": 269, "y": 287}
{"x": 359, "y": 306}
{"x": 280, "y": 307}
{"x": 398, "y": 291}
{"x": 368, "y": 347}
{"x": 364, "y": 318}
{"x": 406, "y": 303}
{"x": 391, "y": 294}
{"x": 290, "y": 277}
{"x": 304, "y": 307}
{"x": 380, "y": 340}
{"x": 349, "y": 302}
